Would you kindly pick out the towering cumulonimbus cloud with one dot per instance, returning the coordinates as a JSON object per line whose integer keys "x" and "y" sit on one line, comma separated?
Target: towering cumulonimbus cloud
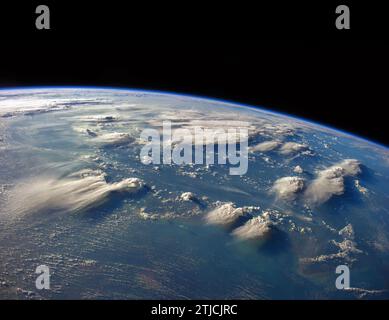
{"x": 287, "y": 188}
{"x": 330, "y": 181}
{"x": 74, "y": 193}
{"x": 256, "y": 228}
{"x": 227, "y": 213}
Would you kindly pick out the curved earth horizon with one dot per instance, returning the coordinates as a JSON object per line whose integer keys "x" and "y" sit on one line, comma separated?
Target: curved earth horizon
{"x": 77, "y": 196}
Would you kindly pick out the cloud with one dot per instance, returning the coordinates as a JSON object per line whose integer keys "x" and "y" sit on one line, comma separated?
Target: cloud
{"x": 227, "y": 213}
{"x": 287, "y": 188}
{"x": 347, "y": 232}
{"x": 276, "y": 129}
{"x": 292, "y": 147}
{"x": 330, "y": 182}
{"x": 98, "y": 118}
{"x": 187, "y": 196}
{"x": 298, "y": 169}
{"x": 363, "y": 293}
{"x": 351, "y": 167}
{"x": 77, "y": 192}
{"x": 361, "y": 189}
{"x": 347, "y": 248}
{"x": 114, "y": 138}
{"x": 265, "y": 146}
{"x": 34, "y": 104}
{"x": 255, "y": 229}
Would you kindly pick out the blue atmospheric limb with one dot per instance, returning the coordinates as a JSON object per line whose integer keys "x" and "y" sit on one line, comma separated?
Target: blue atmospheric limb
{"x": 262, "y": 109}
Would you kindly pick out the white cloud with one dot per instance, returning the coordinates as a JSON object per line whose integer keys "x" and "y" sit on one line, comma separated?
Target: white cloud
{"x": 187, "y": 196}
{"x": 114, "y": 138}
{"x": 361, "y": 189}
{"x": 330, "y": 182}
{"x": 227, "y": 213}
{"x": 351, "y": 167}
{"x": 75, "y": 193}
{"x": 347, "y": 248}
{"x": 292, "y": 147}
{"x": 31, "y": 105}
{"x": 287, "y": 188}
{"x": 265, "y": 146}
{"x": 255, "y": 229}
{"x": 298, "y": 169}
{"x": 362, "y": 293}
{"x": 347, "y": 232}
{"x": 98, "y": 118}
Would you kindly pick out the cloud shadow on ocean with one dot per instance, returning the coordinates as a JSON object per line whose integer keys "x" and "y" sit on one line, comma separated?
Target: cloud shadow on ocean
{"x": 367, "y": 175}
{"x": 276, "y": 243}
{"x": 272, "y": 243}
{"x": 240, "y": 221}
{"x": 114, "y": 202}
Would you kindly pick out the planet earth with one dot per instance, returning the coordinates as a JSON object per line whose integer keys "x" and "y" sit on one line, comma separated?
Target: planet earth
{"x": 77, "y": 198}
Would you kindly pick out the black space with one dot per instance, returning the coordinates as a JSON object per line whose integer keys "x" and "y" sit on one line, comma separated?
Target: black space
{"x": 285, "y": 57}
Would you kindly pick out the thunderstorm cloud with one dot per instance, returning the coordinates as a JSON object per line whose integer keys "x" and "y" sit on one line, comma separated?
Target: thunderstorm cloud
{"x": 330, "y": 181}
{"x": 77, "y": 192}
{"x": 287, "y": 188}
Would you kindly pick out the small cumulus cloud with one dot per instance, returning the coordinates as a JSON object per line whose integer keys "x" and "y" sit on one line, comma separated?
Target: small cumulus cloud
{"x": 187, "y": 196}
{"x": 360, "y": 188}
{"x": 298, "y": 169}
{"x": 347, "y": 249}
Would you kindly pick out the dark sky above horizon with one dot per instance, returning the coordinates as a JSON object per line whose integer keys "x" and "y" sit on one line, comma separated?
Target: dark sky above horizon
{"x": 286, "y": 58}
